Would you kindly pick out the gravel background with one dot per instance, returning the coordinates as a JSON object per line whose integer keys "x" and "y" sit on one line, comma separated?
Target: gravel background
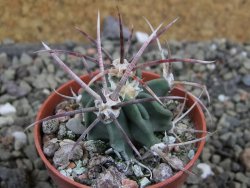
{"x": 26, "y": 80}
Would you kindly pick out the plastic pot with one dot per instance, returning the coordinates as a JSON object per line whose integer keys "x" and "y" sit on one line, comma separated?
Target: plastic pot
{"x": 48, "y": 107}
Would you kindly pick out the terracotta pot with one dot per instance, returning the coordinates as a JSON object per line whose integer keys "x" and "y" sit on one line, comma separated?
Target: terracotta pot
{"x": 63, "y": 182}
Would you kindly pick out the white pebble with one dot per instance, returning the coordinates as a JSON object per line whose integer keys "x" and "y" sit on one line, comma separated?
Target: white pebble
{"x": 20, "y": 139}
{"x": 213, "y": 47}
{"x": 206, "y": 170}
{"x": 222, "y": 98}
{"x": 169, "y": 139}
{"x": 144, "y": 182}
{"x": 211, "y": 66}
{"x": 191, "y": 154}
{"x": 244, "y": 54}
{"x": 7, "y": 109}
{"x": 141, "y": 37}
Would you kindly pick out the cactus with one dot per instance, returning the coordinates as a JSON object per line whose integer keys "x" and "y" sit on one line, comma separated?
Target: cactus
{"x": 122, "y": 108}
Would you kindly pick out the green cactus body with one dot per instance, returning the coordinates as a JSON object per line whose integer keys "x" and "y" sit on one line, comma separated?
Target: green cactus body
{"x": 139, "y": 121}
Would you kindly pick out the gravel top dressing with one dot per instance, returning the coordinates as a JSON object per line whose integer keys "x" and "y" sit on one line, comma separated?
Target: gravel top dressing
{"x": 26, "y": 80}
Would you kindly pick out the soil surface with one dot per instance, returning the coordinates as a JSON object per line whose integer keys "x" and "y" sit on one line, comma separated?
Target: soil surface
{"x": 26, "y": 80}
{"x": 54, "y": 21}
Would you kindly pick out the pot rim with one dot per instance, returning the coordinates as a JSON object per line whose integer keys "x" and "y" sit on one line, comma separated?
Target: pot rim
{"x": 149, "y": 76}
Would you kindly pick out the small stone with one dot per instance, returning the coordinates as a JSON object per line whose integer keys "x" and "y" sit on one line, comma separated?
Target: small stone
{"x": 6, "y": 98}
{"x": 49, "y": 137}
{"x": 22, "y": 107}
{"x": 137, "y": 170}
{"x": 62, "y": 132}
{"x": 20, "y": 140}
{"x": 245, "y": 158}
{"x": 30, "y": 152}
{"x": 191, "y": 154}
{"x": 6, "y": 121}
{"x": 111, "y": 29}
{"x": 64, "y": 118}
{"x": 242, "y": 178}
{"x": 65, "y": 173}
{"x": 205, "y": 155}
{"x": 7, "y": 141}
{"x": 42, "y": 175}
{"x": 79, "y": 170}
{"x": 51, "y": 68}
{"x": 71, "y": 165}
{"x": 14, "y": 89}
{"x": 178, "y": 66}
{"x": 235, "y": 167}
{"x": 206, "y": 170}
{"x": 109, "y": 178}
{"x": 235, "y": 185}
{"x": 144, "y": 182}
{"x": 13, "y": 177}
{"x": 162, "y": 172}
{"x": 246, "y": 64}
{"x": 61, "y": 156}
{"x": 176, "y": 163}
{"x": 233, "y": 51}
{"x": 246, "y": 136}
{"x": 225, "y": 137}
{"x": 94, "y": 172}
{"x": 75, "y": 125}
{"x": 38, "y": 163}
{"x": 169, "y": 139}
{"x": 246, "y": 80}
{"x": 70, "y": 135}
{"x": 50, "y": 126}
{"x": 121, "y": 166}
{"x": 108, "y": 45}
{"x": 16, "y": 154}
{"x": 226, "y": 164}
{"x": 95, "y": 146}
{"x": 83, "y": 179}
{"x": 222, "y": 98}
{"x": 228, "y": 76}
{"x": 9, "y": 74}
{"x": 52, "y": 82}
{"x": 25, "y": 87}
{"x": 100, "y": 160}
{"x": 241, "y": 108}
{"x": 216, "y": 159}
{"x": 91, "y": 51}
{"x": 7, "y": 109}
{"x": 3, "y": 60}
{"x": 128, "y": 183}
{"x": 28, "y": 164}
{"x": 40, "y": 82}
{"x": 43, "y": 184}
{"x": 237, "y": 151}
{"x": 50, "y": 148}
{"x": 25, "y": 59}
{"x": 141, "y": 36}
{"x": 5, "y": 155}
{"x": 211, "y": 67}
